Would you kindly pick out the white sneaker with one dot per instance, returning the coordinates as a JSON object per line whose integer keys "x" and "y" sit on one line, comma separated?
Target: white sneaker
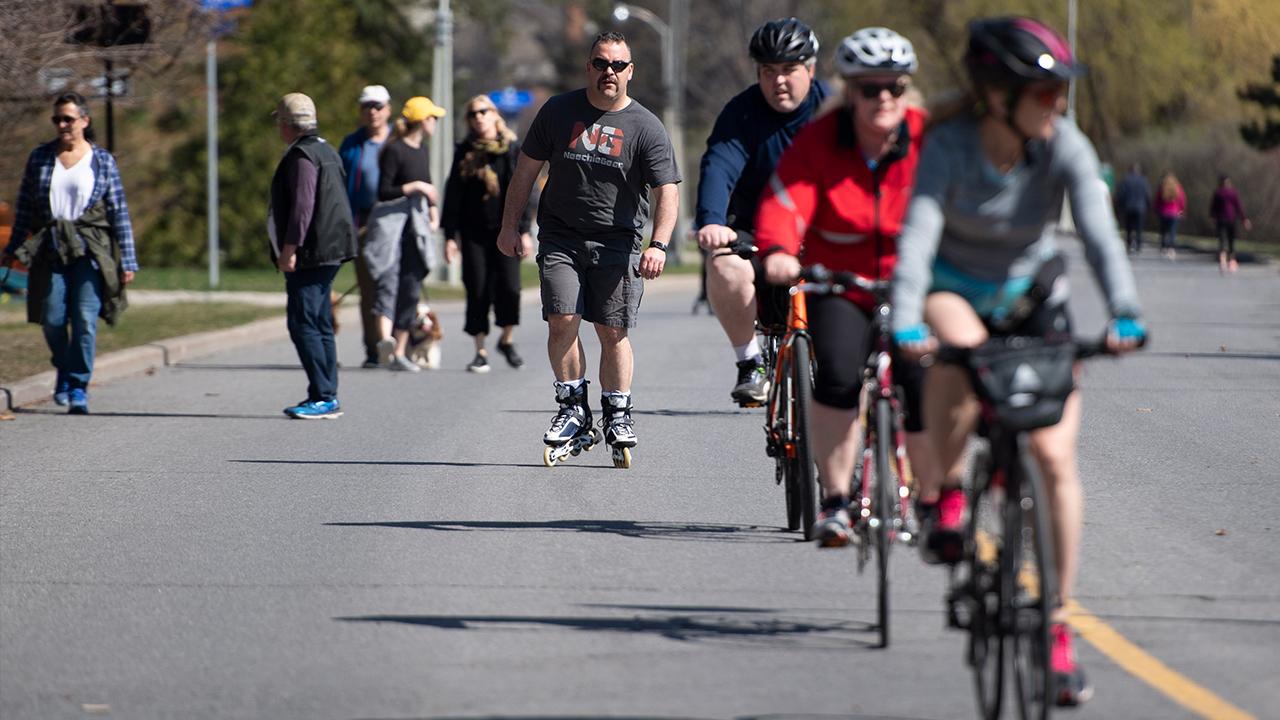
{"x": 401, "y": 363}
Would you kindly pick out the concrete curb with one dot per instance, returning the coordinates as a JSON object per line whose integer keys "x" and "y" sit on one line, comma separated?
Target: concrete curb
{"x": 107, "y": 367}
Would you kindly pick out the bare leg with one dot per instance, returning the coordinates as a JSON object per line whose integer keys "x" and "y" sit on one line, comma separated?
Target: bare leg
{"x": 402, "y": 341}
{"x": 950, "y": 407}
{"x": 508, "y": 335}
{"x": 479, "y": 339}
{"x": 924, "y": 463}
{"x": 731, "y": 290}
{"x": 568, "y": 358}
{"x": 1055, "y": 452}
{"x": 834, "y": 434}
{"x": 615, "y": 359}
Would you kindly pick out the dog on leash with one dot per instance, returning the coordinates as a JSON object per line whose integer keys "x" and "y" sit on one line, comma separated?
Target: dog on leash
{"x": 424, "y": 338}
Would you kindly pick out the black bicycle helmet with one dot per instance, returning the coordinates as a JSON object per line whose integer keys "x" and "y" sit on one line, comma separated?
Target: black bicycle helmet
{"x": 782, "y": 41}
{"x": 1017, "y": 50}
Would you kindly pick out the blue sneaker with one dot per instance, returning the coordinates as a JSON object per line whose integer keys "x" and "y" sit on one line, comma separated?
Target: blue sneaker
{"x": 315, "y": 410}
{"x": 61, "y": 395}
{"x": 78, "y": 401}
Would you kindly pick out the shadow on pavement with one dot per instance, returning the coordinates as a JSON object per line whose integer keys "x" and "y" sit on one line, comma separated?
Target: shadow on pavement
{"x": 117, "y": 414}
{"x": 700, "y": 532}
{"x": 682, "y": 627}
{"x": 235, "y": 366}
{"x": 409, "y": 463}
{"x": 667, "y": 412}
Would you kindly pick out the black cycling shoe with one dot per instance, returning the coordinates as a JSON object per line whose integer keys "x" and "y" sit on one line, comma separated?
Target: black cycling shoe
{"x": 753, "y": 383}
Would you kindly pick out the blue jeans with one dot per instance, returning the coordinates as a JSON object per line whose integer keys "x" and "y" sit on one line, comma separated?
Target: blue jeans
{"x": 74, "y": 299}
{"x": 310, "y": 317}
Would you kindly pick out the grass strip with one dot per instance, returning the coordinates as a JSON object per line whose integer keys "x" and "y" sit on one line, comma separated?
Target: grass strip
{"x": 23, "y": 351}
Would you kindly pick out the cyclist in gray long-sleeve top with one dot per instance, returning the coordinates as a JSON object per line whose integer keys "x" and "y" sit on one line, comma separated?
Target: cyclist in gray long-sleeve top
{"x": 978, "y": 235}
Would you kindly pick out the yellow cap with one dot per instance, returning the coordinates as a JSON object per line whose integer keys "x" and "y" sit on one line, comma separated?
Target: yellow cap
{"x": 417, "y": 109}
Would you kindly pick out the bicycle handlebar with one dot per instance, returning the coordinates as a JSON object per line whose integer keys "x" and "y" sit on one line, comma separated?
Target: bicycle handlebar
{"x": 1085, "y": 348}
{"x": 818, "y": 278}
{"x": 742, "y": 247}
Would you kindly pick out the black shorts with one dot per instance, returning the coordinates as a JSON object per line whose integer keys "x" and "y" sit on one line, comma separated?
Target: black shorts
{"x": 841, "y": 333}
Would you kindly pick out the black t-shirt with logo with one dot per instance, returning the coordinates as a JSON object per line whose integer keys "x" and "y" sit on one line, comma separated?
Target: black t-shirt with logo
{"x": 602, "y": 165}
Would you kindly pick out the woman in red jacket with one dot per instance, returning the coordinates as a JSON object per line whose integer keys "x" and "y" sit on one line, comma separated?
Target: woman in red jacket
{"x": 837, "y": 199}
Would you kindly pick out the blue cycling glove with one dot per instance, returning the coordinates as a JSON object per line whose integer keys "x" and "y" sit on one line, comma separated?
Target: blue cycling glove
{"x": 1127, "y": 328}
{"x": 912, "y": 335}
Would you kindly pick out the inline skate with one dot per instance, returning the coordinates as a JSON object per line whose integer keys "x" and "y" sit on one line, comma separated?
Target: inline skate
{"x": 619, "y": 430}
{"x": 571, "y": 431}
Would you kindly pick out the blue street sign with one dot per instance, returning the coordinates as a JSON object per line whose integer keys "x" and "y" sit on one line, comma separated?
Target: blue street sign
{"x": 224, "y": 5}
{"x": 510, "y": 100}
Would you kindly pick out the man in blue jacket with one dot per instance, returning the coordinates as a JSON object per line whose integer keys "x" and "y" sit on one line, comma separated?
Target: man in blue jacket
{"x": 749, "y": 136}
{"x": 359, "y": 152}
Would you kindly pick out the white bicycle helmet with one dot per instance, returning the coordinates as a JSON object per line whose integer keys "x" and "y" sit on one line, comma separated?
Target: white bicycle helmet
{"x": 875, "y": 50}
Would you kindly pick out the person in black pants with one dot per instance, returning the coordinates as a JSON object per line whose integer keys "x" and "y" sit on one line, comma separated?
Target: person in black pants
{"x": 473, "y": 199}
{"x": 405, "y": 172}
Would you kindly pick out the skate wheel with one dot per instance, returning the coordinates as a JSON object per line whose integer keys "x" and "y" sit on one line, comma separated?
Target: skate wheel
{"x": 596, "y": 438}
{"x": 548, "y": 458}
{"x": 622, "y": 457}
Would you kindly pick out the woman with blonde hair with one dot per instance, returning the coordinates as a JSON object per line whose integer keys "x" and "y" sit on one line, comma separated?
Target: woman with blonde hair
{"x": 1171, "y": 203}
{"x": 483, "y": 164}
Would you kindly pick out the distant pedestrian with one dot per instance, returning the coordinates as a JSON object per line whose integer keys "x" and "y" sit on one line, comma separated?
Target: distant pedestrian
{"x": 1133, "y": 200}
{"x": 73, "y": 232}
{"x": 1171, "y": 203}
{"x": 483, "y": 164}
{"x": 400, "y": 227}
{"x": 607, "y": 154}
{"x": 359, "y": 153}
{"x": 312, "y": 234}
{"x": 1225, "y": 209}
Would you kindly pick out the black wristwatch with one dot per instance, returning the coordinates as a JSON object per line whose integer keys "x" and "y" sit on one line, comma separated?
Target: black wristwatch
{"x": 659, "y": 245}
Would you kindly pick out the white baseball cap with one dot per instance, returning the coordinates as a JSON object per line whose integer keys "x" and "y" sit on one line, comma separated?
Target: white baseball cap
{"x": 375, "y": 94}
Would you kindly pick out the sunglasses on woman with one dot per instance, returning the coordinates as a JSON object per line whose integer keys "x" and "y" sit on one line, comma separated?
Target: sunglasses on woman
{"x": 616, "y": 66}
{"x": 1047, "y": 94}
{"x": 477, "y": 112}
{"x": 871, "y": 91}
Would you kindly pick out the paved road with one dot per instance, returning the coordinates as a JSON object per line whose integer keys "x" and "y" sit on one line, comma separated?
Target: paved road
{"x": 186, "y": 552}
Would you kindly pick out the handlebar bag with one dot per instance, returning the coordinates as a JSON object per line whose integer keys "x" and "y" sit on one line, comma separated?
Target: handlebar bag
{"x": 1025, "y": 381}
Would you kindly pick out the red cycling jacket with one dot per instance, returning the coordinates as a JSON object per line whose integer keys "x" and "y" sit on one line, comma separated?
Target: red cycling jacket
{"x": 825, "y": 206}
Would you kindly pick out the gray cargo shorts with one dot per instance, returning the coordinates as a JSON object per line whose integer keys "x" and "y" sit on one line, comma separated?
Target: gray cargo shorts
{"x": 602, "y": 294}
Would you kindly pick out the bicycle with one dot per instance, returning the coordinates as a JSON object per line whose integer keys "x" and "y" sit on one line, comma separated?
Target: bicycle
{"x": 1004, "y": 590}
{"x": 787, "y": 352}
{"x": 881, "y": 510}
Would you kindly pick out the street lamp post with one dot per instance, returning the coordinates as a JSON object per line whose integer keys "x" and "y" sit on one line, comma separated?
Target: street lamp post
{"x": 672, "y": 114}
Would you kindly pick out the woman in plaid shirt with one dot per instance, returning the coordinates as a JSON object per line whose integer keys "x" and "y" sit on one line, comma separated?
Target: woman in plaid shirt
{"x": 73, "y": 230}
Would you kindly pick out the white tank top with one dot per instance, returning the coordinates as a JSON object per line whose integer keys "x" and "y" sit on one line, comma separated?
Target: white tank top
{"x": 71, "y": 188}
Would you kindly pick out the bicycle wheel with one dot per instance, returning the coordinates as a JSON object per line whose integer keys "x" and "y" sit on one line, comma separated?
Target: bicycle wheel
{"x": 784, "y": 464}
{"x": 1030, "y": 578}
{"x": 802, "y": 388}
{"x": 984, "y": 543}
{"x": 884, "y": 508}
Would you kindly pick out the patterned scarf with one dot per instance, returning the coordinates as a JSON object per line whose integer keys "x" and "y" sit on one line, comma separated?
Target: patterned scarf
{"x": 475, "y": 163}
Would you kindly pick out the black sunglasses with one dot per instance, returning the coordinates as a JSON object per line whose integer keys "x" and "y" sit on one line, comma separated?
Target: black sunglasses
{"x": 477, "y": 112}
{"x": 871, "y": 91}
{"x": 372, "y": 106}
{"x": 617, "y": 65}
{"x": 63, "y": 119}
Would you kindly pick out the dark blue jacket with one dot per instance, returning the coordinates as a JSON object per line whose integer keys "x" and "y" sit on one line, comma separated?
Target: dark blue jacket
{"x": 1134, "y": 195}
{"x": 742, "y": 152}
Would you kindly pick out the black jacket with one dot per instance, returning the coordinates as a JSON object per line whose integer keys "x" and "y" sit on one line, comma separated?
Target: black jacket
{"x": 331, "y": 237}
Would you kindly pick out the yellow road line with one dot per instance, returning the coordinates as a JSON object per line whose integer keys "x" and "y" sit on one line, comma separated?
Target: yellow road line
{"x": 1143, "y": 666}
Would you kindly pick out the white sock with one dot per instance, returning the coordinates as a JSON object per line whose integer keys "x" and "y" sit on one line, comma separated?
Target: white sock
{"x": 573, "y": 384}
{"x": 625, "y": 396}
{"x": 748, "y": 351}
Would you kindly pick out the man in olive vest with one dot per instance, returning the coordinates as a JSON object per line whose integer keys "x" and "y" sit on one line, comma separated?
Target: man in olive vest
{"x": 312, "y": 234}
